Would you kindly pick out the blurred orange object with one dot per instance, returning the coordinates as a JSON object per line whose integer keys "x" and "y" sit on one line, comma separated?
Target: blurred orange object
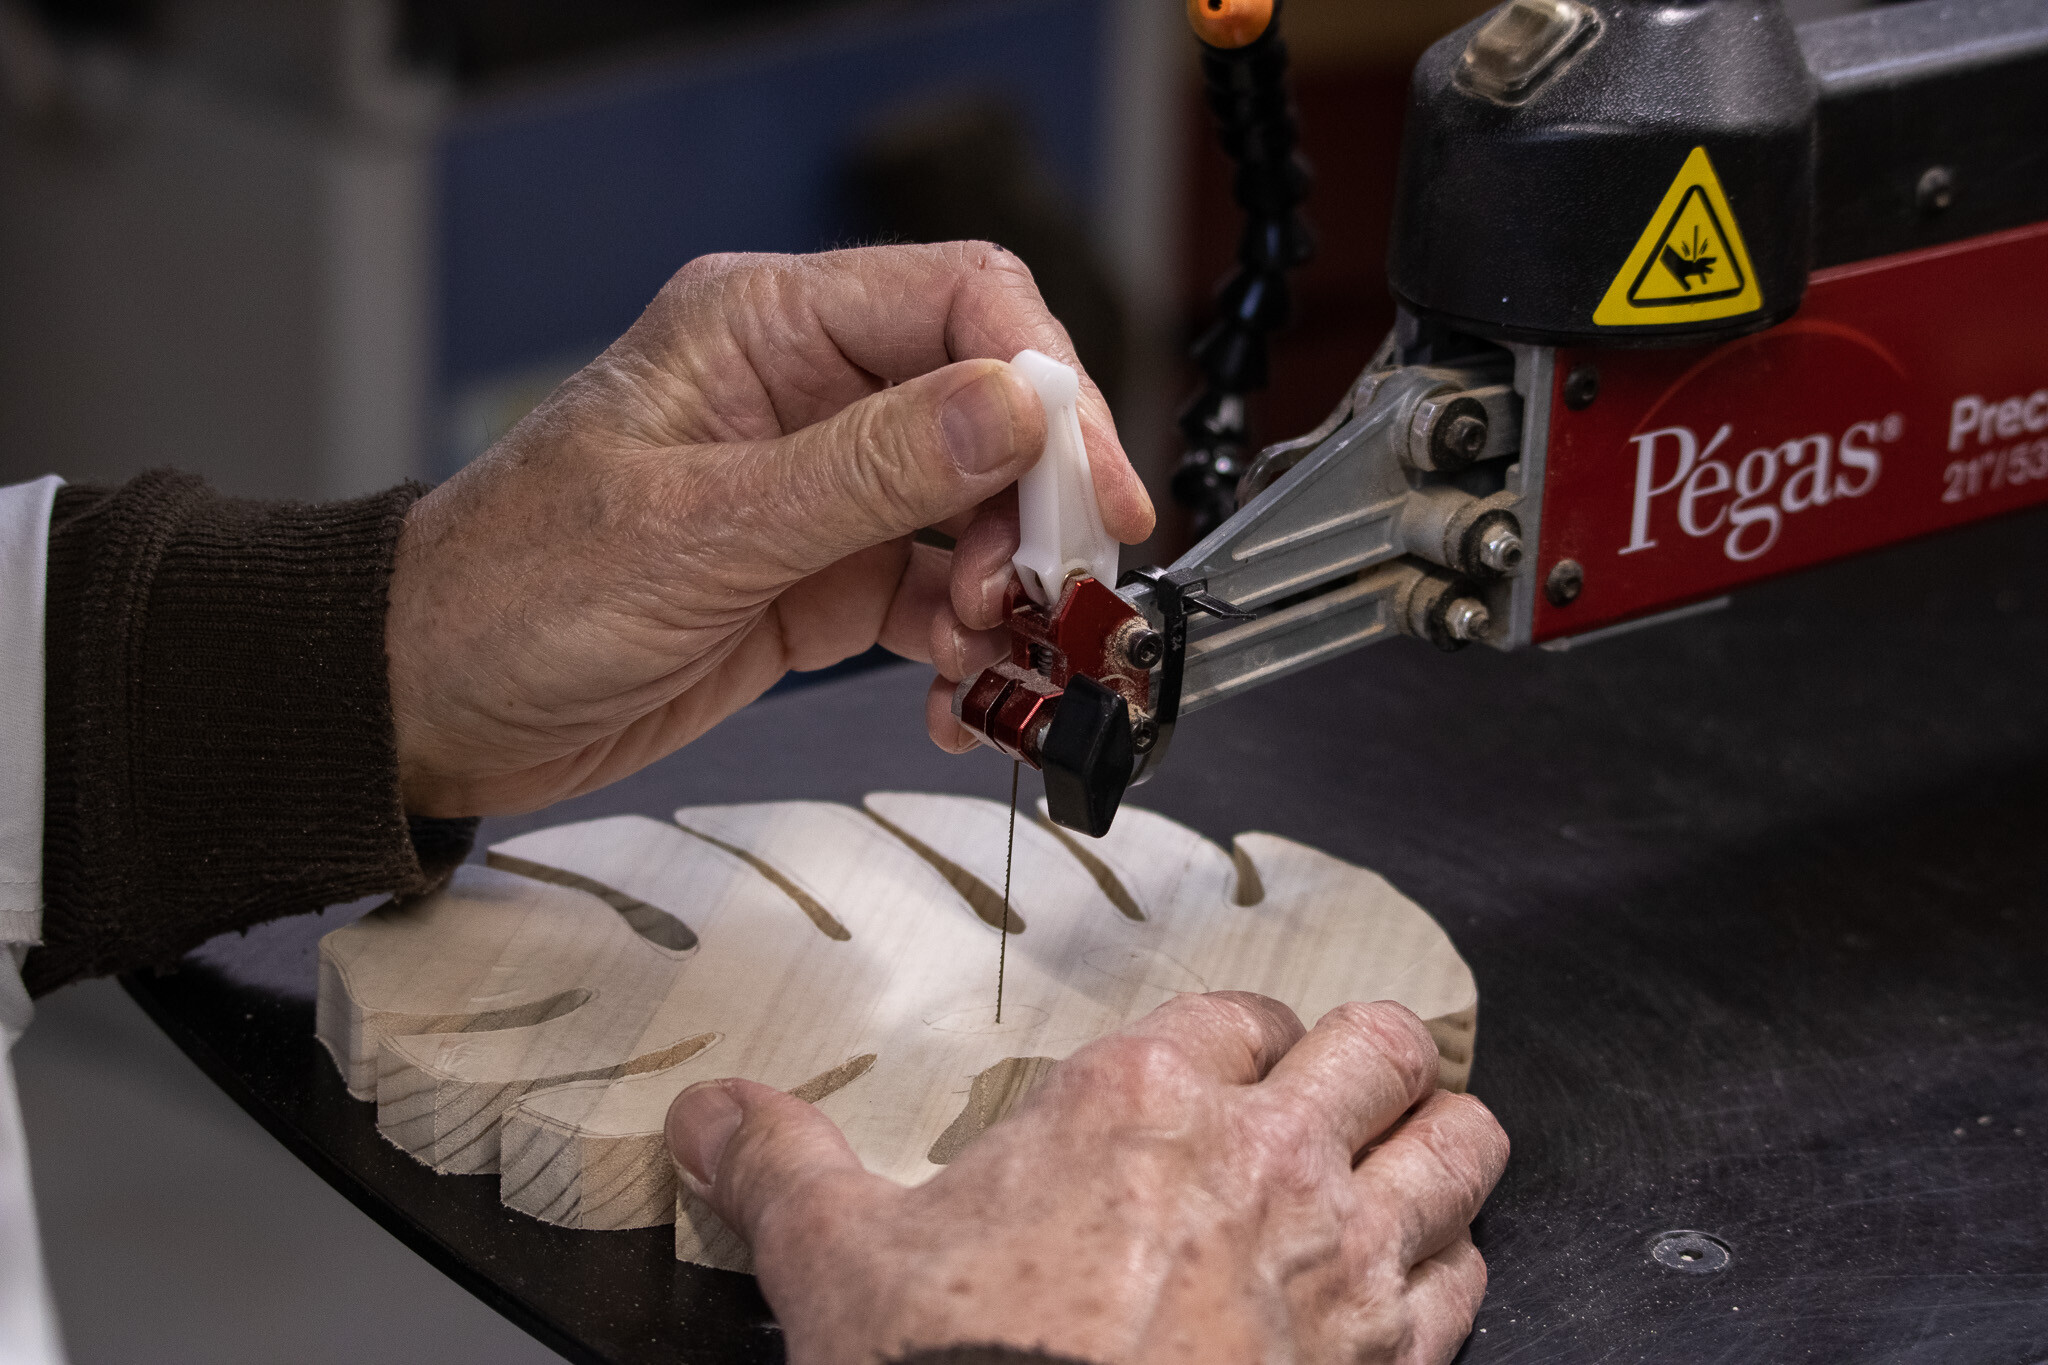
{"x": 1229, "y": 23}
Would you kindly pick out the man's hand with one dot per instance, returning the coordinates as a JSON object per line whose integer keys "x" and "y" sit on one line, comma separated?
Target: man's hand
{"x": 727, "y": 493}
{"x": 1208, "y": 1185}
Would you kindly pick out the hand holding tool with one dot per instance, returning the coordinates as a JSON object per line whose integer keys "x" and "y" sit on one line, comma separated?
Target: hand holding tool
{"x": 1081, "y": 656}
{"x": 1059, "y": 522}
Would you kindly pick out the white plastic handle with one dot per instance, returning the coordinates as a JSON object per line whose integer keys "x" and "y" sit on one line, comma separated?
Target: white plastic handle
{"x": 1058, "y": 520}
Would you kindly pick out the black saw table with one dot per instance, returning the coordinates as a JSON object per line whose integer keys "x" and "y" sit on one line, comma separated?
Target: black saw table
{"x": 1758, "y": 905}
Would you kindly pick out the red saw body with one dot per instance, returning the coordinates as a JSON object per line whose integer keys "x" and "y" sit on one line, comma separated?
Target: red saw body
{"x": 1908, "y": 395}
{"x": 1090, "y": 633}
{"x": 1618, "y": 388}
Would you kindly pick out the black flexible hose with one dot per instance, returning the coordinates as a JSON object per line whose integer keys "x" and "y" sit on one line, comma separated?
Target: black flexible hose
{"x": 1247, "y": 92}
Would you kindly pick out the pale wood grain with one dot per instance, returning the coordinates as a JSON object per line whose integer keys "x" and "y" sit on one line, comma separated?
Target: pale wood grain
{"x": 538, "y": 1025}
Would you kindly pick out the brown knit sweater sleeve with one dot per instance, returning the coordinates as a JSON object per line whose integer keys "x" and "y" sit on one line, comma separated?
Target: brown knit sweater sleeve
{"x": 219, "y": 744}
{"x": 983, "y": 1355}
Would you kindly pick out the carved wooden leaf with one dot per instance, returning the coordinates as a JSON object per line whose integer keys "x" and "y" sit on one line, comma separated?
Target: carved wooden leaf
{"x": 535, "y": 1018}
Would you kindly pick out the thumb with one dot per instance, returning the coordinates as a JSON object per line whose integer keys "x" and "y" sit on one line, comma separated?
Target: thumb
{"x": 744, "y": 1147}
{"x": 908, "y": 457}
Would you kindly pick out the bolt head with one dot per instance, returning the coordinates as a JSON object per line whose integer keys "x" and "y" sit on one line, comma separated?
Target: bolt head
{"x": 1467, "y": 619}
{"x": 1466, "y": 434}
{"x": 1936, "y": 190}
{"x": 1581, "y": 387}
{"x": 1566, "y": 581}
{"x": 1144, "y": 734}
{"x": 1454, "y": 435}
{"x": 1144, "y": 648}
{"x": 1500, "y": 549}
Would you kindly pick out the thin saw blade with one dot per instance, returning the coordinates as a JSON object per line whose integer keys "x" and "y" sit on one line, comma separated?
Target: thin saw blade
{"x": 1009, "y": 863}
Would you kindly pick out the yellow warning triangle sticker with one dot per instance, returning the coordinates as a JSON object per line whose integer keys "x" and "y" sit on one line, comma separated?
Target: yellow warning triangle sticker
{"x": 1690, "y": 264}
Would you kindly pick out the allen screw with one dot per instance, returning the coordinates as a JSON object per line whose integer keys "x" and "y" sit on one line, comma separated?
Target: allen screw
{"x": 1567, "y": 580}
{"x": 1581, "y": 387}
{"x": 1936, "y": 190}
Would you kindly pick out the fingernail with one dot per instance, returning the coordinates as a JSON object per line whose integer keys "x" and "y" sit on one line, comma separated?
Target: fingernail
{"x": 700, "y": 1122}
{"x": 995, "y": 588}
{"x": 979, "y": 428}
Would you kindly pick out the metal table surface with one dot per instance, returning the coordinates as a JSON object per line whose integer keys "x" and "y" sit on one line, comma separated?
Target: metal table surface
{"x": 1758, "y": 905}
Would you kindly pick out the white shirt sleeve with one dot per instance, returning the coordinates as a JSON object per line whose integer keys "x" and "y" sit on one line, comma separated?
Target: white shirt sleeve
{"x": 28, "y": 1318}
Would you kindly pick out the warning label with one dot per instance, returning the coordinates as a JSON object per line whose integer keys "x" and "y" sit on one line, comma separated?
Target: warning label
{"x": 1689, "y": 264}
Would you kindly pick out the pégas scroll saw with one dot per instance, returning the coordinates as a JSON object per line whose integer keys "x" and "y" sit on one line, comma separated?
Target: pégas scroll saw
{"x": 1688, "y": 297}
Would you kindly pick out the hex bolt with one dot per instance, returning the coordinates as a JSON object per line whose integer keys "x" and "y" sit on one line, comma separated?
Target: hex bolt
{"x": 1581, "y": 387}
{"x": 1500, "y": 548}
{"x": 1448, "y": 433}
{"x": 1144, "y": 734}
{"x": 1457, "y": 434}
{"x": 1567, "y": 580}
{"x": 1936, "y": 190}
{"x": 1144, "y": 648}
{"x": 1467, "y": 619}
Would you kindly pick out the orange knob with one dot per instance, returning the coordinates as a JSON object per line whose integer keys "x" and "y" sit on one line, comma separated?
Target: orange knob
{"x": 1229, "y": 23}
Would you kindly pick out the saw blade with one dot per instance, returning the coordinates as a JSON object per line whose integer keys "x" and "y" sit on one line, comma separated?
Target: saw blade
{"x": 1009, "y": 861}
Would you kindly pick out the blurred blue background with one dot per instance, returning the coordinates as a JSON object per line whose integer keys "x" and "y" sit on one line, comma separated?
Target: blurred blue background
{"x": 562, "y": 213}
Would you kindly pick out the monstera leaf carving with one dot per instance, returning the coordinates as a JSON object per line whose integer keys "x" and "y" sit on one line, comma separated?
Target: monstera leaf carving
{"x": 535, "y": 1018}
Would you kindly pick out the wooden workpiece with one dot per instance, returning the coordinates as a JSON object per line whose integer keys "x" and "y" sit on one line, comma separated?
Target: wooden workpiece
{"x": 536, "y": 1018}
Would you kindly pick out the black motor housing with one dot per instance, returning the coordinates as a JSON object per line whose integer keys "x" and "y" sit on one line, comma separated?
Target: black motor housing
{"x": 1513, "y": 219}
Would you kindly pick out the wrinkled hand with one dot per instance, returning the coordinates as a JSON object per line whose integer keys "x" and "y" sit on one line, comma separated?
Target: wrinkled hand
{"x": 1208, "y": 1185}
{"x": 727, "y": 493}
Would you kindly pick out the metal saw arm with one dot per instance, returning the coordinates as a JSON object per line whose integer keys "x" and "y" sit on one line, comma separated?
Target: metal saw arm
{"x": 1401, "y": 518}
{"x": 1400, "y": 515}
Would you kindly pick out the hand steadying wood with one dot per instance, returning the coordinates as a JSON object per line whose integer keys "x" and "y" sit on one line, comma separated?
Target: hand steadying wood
{"x": 727, "y": 493}
{"x": 1211, "y": 1185}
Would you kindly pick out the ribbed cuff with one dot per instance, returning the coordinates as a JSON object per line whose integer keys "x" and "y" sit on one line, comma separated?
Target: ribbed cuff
{"x": 218, "y": 721}
{"x": 983, "y": 1355}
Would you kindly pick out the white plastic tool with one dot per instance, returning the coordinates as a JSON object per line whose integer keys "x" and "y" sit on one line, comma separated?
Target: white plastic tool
{"x": 1059, "y": 523}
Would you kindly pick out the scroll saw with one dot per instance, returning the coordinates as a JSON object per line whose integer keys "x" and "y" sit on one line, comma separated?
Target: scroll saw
{"x": 1689, "y": 297}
